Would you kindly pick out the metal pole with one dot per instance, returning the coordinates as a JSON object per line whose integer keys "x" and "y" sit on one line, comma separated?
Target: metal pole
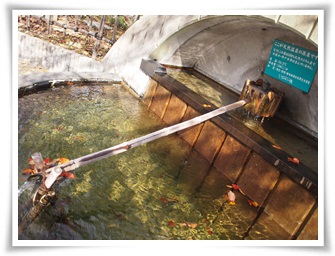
{"x": 76, "y": 163}
{"x": 28, "y": 22}
{"x": 99, "y": 36}
{"x": 76, "y": 24}
{"x": 91, "y": 21}
{"x": 50, "y": 24}
{"x": 65, "y": 26}
{"x": 116, "y": 17}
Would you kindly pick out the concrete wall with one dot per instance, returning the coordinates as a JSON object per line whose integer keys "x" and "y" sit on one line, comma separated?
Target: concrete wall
{"x": 228, "y": 49}
{"x": 52, "y": 57}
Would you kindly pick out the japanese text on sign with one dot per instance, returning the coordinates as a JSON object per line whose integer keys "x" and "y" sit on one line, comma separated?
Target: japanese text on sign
{"x": 292, "y": 64}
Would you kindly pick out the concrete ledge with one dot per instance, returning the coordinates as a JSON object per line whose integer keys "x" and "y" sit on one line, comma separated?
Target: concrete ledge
{"x": 42, "y": 81}
{"x": 67, "y": 76}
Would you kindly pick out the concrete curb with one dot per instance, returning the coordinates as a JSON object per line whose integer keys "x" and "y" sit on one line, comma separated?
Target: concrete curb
{"x": 30, "y": 80}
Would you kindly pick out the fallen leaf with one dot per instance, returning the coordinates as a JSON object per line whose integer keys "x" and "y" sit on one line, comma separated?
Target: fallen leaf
{"x": 67, "y": 175}
{"x": 210, "y": 232}
{"x": 171, "y": 223}
{"x": 231, "y": 196}
{"x": 47, "y": 160}
{"x": 235, "y": 186}
{"x": 277, "y": 147}
{"x": 164, "y": 199}
{"x": 252, "y": 203}
{"x": 69, "y": 83}
{"x": 28, "y": 171}
{"x": 192, "y": 225}
{"x": 293, "y": 160}
{"x": 62, "y": 160}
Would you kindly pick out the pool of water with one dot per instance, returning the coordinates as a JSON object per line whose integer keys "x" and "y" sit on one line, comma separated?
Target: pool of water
{"x": 279, "y": 133}
{"x": 160, "y": 190}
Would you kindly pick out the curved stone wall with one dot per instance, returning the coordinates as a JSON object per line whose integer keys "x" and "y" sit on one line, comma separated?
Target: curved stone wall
{"x": 228, "y": 49}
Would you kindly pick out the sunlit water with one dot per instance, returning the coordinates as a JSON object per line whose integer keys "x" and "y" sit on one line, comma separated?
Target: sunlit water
{"x": 275, "y": 131}
{"x": 150, "y": 192}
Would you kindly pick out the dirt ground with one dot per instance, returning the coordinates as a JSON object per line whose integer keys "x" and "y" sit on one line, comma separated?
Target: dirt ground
{"x": 69, "y": 39}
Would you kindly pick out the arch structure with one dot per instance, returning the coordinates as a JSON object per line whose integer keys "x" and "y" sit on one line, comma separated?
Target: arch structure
{"x": 228, "y": 49}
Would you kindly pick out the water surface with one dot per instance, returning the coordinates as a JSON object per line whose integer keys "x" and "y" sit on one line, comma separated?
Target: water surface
{"x": 160, "y": 190}
{"x": 276, "y": 131}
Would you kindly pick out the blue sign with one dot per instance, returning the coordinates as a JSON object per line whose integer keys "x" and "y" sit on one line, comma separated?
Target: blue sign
{"x": 292, "y": 65}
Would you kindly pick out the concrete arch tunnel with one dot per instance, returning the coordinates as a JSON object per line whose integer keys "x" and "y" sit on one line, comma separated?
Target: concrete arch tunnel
{"x": 228, "y": 49}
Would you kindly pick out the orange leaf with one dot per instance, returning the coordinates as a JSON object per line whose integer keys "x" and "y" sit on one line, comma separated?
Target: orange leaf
{"x": 27, "y": 171}
{"x": 67, "y": 175}
{"x": 277, "y": 147}
{"x": 252, "y": 203}
{"x": 69, "y": 83}
{"x": 192, "y": 225}
{"x": 63, "y": 160}
{"x": 293, "y": 160}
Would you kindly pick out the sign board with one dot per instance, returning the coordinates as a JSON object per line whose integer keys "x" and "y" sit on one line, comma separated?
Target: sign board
{"x": 292, "y": 65}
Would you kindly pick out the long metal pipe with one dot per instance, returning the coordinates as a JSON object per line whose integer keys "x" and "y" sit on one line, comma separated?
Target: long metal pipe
{"x": 80, "y": 161}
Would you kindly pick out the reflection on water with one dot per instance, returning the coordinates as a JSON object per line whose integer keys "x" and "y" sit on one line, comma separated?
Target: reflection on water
{"x": 277, "y": 132}
{"x": 154, "y": 191}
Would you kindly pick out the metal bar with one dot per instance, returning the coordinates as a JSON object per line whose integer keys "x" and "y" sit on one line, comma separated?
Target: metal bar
{"x": 125, "y": 146}
{"x": 76, "y": 24}
{"x": 50, "y": 24}
{"x": 28, "y": 22}
{"x": 116, "y": 17}
{"x": 91, "y": 21}
{"x": 65, "y": 26}
{"x": 99, "y": 37}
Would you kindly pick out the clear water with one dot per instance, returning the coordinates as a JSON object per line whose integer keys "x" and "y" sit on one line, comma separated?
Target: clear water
{"x": 275, "y": 131}
{"x": 150, "y": 192}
